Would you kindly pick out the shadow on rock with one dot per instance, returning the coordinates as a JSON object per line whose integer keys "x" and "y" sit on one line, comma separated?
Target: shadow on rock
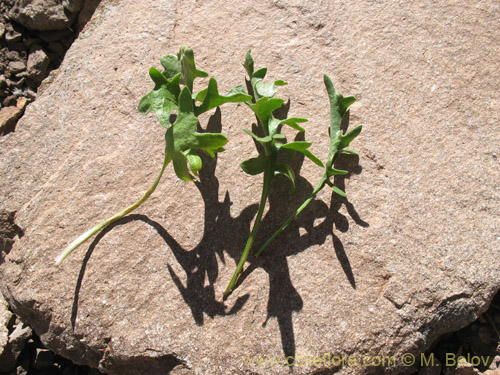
{"x": 284, "y": 299}
{"x": 224, "y": 234}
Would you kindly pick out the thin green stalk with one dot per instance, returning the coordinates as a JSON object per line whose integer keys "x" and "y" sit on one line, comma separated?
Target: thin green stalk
{"x": 85, "y": 236}
{"x": 318, "y": 188}
{"x": 268, "y": 175}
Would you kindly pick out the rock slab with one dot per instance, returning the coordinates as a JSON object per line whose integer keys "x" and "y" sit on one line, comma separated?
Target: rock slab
{"x": 411, "y": 255}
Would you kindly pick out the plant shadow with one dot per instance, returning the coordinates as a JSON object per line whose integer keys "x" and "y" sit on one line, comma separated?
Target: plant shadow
{"x": 226, "y": 235}
{"x": 284, "y": 298}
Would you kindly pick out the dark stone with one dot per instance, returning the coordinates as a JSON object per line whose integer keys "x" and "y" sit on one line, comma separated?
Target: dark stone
{"x": 17, "y": 83}
{"x": 17, "y": 341}
{"x": 73, "y": 6}
{"x": 50, "y": 36}
{"x": 13, "y": 36}
{"x": 41, "y": 14}
{"x": 28, "y": 42}
{"x": 12, "y": 55}
{"x": 38, "y": 63}
{"x": 57, "y": 48}
{"x": 17, "y": 46}
{"x": 9, "y": 101}
{"x": 50, "y": 371}
{"x": 16, "y": 66}
{"x": 44, "y": 359}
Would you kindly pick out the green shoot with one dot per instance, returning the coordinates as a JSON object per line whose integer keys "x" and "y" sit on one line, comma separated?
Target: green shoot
{"x": 339, "y": 142}
{"x": 182, "y": 141}
{"x": 263, "y": 104}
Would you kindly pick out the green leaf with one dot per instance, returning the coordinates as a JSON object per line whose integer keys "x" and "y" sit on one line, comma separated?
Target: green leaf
{"x": 172, "y": 66}
{"x": 286, "y": 170}
{"x": 338, "y": 107}
{"x": 348, "y": 151}
{"x": 277, "y": 137}
{"x": 268, "y": 89}
{"x": 162, "y": 99}
{"x": 259, "y": 73}
{"x": 248, "y": 64}
{"x": 335, "y": 115}
{"x": 265, "y": 139}
{"x": 313, "y": 158}
{"x": 293, "y": 123}
{"x": 345, "y": 140}
{"x": 254, "y": 166}
{"x": 335, "y": 172}
{"x": 264, "y": 107}
{"x": 274, "y": 126}
{"x": 188, "y": 67}
{"x": 186, "y": 136}
{"x": 238, "y": 90}
{"x": 344, "y": 103}
{"x": 298, "y": 145}
{"x": 183, "y": 140}
{"x": 194, "y": 162}
{"x": 158, "y": 78}
{"x": 179, "y": 160}
{"x": 338, "y": 191}
{"x": 211, "y": 98}
{"x": 302, "y": 147}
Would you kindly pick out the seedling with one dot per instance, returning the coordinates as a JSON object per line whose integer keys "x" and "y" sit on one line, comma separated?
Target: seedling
{"x": 339, "y": 142}
{"x": 263, "y": 104}
{"x": 173, "y": 91}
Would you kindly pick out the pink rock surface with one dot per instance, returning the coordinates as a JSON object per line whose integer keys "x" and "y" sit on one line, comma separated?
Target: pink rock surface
{"x": 413, "y": 254}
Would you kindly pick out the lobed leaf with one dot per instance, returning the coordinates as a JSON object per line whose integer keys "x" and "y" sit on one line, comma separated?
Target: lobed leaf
{"x": 171, "y": 66}
{"x": 162, "y": 99}
{"x": 264, "y": 107}
{"x": 179, "y": 159}
{"x": 344, "y": 103}
{"x": 345, "y": 140}
{"x": 254, "y": 166}
{"x": 293, "y": 123}
{"x": 338, "y": 108}
{"x": 275, "y": 124}
{"x": 266, "y": 139}
{"x": 188, "y": 67}
{"x": 183, "y": 139}
{"x": 302, "y": 147}
{"x": 238, "y": 90}
{"x": 268, "y": 89}
{"x": 211, "y": 98}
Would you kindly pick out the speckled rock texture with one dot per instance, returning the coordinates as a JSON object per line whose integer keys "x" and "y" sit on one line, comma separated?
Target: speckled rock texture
{"x": 5, "y": 317}
{"x": 412, "y": 254}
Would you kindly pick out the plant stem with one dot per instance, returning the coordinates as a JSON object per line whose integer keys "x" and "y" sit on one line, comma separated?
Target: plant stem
{"x": 318, "y": 188}
{"x": 85, "y": 236}
{"x": 268, "y": 175}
